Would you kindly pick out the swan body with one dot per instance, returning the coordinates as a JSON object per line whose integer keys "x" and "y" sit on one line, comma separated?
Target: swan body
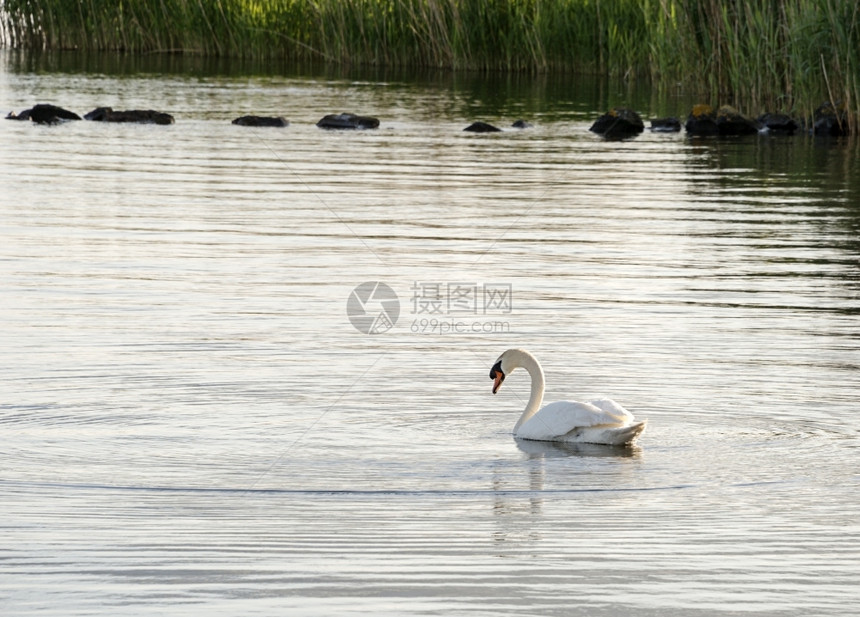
{"x": 601, "y": 421}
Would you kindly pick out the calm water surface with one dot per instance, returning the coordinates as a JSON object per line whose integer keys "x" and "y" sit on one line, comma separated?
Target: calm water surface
{"x": 191, "y": 425}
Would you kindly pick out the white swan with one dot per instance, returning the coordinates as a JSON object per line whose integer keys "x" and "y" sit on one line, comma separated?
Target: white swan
{"x": 601, "y": 421}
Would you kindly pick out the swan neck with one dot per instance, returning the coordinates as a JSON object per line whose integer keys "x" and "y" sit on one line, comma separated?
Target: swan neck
{"x": 530, "y": 363}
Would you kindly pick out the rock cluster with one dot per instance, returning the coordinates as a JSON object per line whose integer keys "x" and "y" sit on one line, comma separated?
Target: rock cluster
{"x": 705, "y": 120}
{"x": 51, "y": 114}
{"x": 620, "y": 122}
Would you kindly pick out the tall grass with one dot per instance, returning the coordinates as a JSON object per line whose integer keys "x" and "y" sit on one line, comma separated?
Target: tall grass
{"x": 582, "y": 35}
{"x": 787, "y": 55}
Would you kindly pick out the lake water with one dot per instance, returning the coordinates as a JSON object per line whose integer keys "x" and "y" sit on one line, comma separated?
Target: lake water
{"x": 191, "y": 424}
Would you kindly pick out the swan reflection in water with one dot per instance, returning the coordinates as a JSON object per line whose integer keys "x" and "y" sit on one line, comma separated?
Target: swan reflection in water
{"x": 556, "y": 449}
{"x": 516, "y": 509}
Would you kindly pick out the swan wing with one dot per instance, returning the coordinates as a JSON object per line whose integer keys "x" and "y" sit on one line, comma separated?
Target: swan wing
{"x": 607, "y": 405}
{"x": 556, "y": 420}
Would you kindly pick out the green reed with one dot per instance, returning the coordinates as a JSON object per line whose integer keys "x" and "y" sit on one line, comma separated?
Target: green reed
{"x": 493, "y": 34}
{"x": 778, "y": 55}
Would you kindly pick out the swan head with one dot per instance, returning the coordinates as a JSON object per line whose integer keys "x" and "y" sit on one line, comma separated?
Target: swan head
{"x": 497, "y": 375}
{"x": 503, "y": 367}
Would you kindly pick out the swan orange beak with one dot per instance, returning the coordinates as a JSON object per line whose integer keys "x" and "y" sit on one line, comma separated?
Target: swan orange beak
{"x": 497, "y": 376}
{"x": 497, "y": 382}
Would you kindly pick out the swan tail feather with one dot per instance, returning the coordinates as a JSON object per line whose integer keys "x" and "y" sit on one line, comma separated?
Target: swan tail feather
{"x": 631, "y": 433}
{"x": 607, "y": 435}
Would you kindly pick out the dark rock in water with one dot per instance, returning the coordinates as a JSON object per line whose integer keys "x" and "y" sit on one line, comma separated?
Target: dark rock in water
{"x": 666, "y": 125}
{"x": 482, "y": 127}
{"x": 618, "y": 122}
{"x": 262, "y": 121}
{"x": 830, "y": 120}
{"x": 136, "y": 116}
{"x": 24, "y": 115}
{"x": 44, "y": 114}
{"x": 140, "y": 116}
{"x": 702, "y": 121}
{"x": 778, "y": 123}
{"x": 348, "y": 121}
{"x": 522, "y": 124}
{"x": 99, "y": 114}
{"x": 731, "y": 122}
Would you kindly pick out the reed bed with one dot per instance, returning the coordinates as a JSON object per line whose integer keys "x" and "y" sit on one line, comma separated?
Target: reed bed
{"x": 778, "y": 55}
